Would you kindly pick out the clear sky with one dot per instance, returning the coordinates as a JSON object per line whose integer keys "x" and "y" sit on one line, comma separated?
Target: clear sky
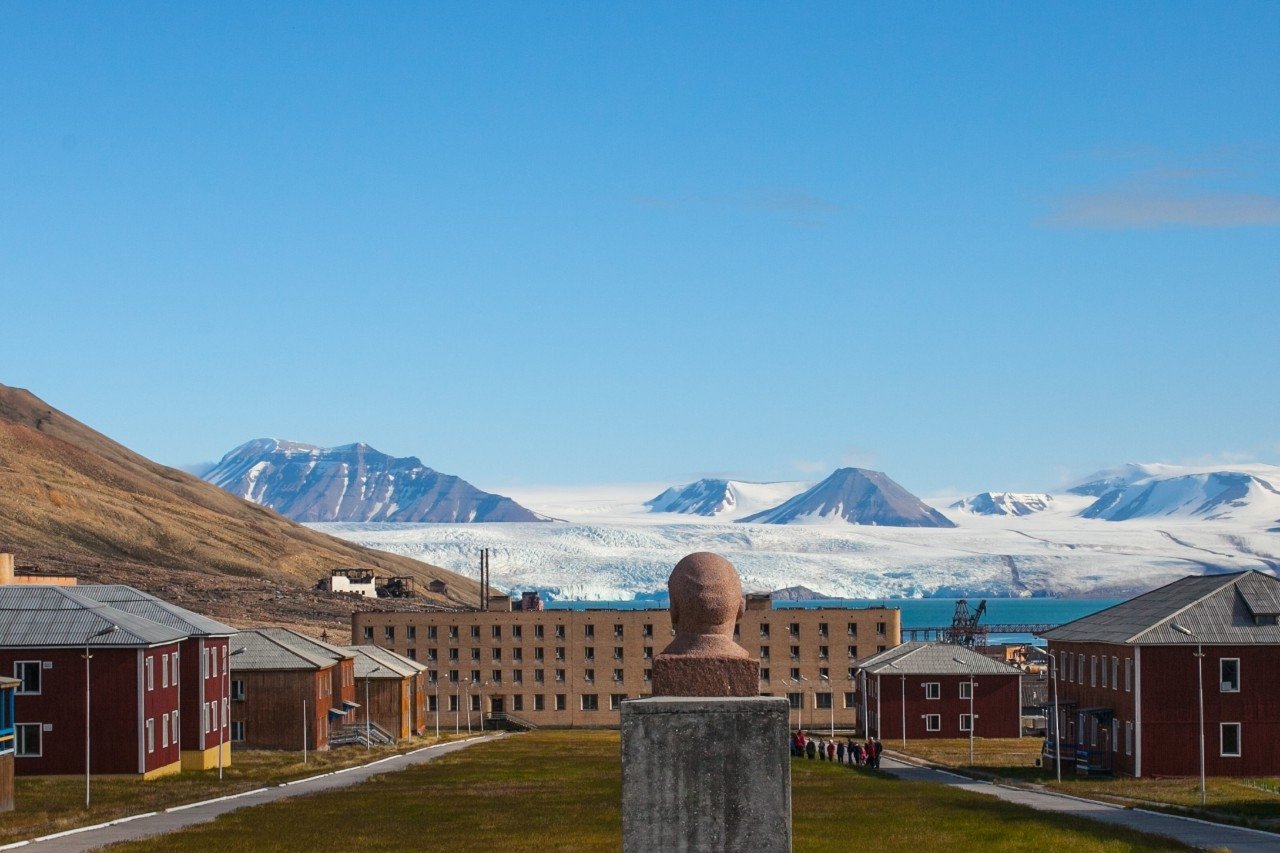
{"x": 972, "y": 245}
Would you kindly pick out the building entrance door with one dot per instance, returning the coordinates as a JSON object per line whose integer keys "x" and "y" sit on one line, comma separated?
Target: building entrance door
{"x": 497, "y": 705}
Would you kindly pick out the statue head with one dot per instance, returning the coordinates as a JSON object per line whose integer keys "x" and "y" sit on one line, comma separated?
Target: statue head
{"x": 706, "y": 603}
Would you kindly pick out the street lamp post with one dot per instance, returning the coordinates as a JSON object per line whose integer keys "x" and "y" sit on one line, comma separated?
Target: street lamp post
{"x": 832, "y": 698}
{"x": 110, "y": 629}
{"x": 222, "y": 727}
{"x": 1057, "y": 724}
{"x": 435, "y": 684}
{"x": 466, "y": 690}
{"x": 893, "y": 665}
{"x": 801, "y": 686}
{"x": 368, "y": 727}
{"x": 1200, "y": 690}
{"x": 973, "y": 719}
{"x": 457, "y": 707}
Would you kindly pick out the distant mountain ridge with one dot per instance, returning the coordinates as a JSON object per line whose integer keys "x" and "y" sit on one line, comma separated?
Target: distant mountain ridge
{"x": 355, "y": 483}
{"x": 714, "y": 497}
{"x": 1004, "y": 503}
{"x": 855, "y": 496}
{"x": 1213, "y": 496}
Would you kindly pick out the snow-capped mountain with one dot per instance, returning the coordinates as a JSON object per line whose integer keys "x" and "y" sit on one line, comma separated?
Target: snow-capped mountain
{"x": 1212, "y": 495}
{"x": 1003, "y": 503}
{"x": 354, "y": 483}
{"x": 714, "y": 497}
{"x": 855, "y": 496}
{"x": 1100, "y": 482}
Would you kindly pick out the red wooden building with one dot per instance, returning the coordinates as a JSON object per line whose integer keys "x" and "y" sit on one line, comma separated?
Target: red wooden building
{"x": 131, "y": 705}
{"x": 933, "y": 689}
{"x": 1128, "y": 677}
{"x": 204, "y": 725}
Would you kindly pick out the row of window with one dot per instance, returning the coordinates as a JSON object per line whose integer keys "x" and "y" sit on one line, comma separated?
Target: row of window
{"x": 588, "y": 631}
{"x": 29, "y": 671}
{"x": 586, "y": 702}
{"x": 496, "y": 676}
{"x": 1073, "y": 669}
{"x": 933, "y": 722}
{"x": 821, "y": 701}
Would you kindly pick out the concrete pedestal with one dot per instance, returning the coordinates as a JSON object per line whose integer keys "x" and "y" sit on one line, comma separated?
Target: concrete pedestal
{"x": 706, "y": 774}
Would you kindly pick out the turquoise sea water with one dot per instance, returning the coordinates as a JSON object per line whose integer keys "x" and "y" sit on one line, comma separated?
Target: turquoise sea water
{"x": 919, "y": 612}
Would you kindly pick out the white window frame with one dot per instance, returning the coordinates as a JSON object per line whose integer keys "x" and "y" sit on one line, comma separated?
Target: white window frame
{"x": 1104, "y": 671}
{"x": 1115, "y": 673}
{"x": 1222, "y": 685}
{"x": 932, "y": 722}
{"x": 1128, "y": 675}
{"x": 173, "y": 724}
{"x": 150, "y": 666}
{"x": 39, "y": 730}
{"x": 164, "y": 730}
{"x": 173, "y": 663}
{"x": 151, "y": 734}
{"x": 1080, "y": 670}
{"x": 1093, "y": 670}
{"x": 966, "y": 689}
{"x": 932, "y": 690}
{"x": 1128, "y": 738}
{"x": 39, "y": 669}
{"x": 1222, "y": 731}
{"x": 1115, "y": 735}
{"x": 965, "y": 723}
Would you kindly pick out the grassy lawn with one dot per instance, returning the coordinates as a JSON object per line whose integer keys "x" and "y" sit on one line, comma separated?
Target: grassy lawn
{"x": 1252, "y": 802}
{"x": 48, "y": 804}
{"x": 558, "y": 790}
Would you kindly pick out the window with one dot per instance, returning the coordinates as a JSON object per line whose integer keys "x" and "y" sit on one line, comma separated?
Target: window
{"x": 411, "y": 653}
{"x": 539, "y": 676}
{"x": 1128, "y": 738}
{"x": 495, "y": 631}
{"x": 432, "y": 632}
{"x": 517, "y": 676}
{"x": 1104, "y": 670}
{"x": 1093, "y": 670}
{"x": 853, "y": 629}
{"x": 1080, "y": 669}
{"x": 559, "y": 652}
{"x": 617, "y": 632}
{"x": 824, "y": 652}
{"x": 824, "y": 673}
{"x": 880, "y": 649}
{"x": 932, "y": 690}
{"x": 764, "y": 673}
{"x": 453, "y": 632}
{"x": 28, "y": 672}
{"x": 213, "y": 662}
{"x": 237, "y": 730}
{"x": 497, "y": 676}
{"x": 164, "y": 726}
{"x": 475, "y": 702}
{"x": 497, "y": 655}
{"x": 615, "y": 701}
{"x": 475, "y": 632}
{"x": 368, "y": 632}
{"x": 966, "y": 723}
{"x": 589, "y": 631}
{"x": 164, "y": 674}
{"x": 151, "y": 673}
{"x": 389, "y": 632}
{"x": 764, "y": 653}
{"x": 561, "y": 702}
{"x": 648, "y": 675}
{"x": 589, "y": 676}
{"x": 517, "y": 632}
{"x": 648, "y": 652}
{"x": 539, "y": 702}
{"x": 933, "y": 722}
{"x": 475, "y": 655}
{"x": 411, "y": 632}
{"x": 589, "y": 653}
{"x": 822, "y": 629}
{"x": 1115, "y": 735}
{"x": 431, "y": 703}
{"x": 517, "y": 702}
{"x": 795, "y": 700}
{"x": 822, "y": 701}
{"x": 538, "y": 633}
{"x": 151, "y": 733}
{"x": 590, "y": 702}
{"x": 850, "y": 701}
{"x": 853, "y": 673}
{"x": 795, "y": 652}
{"x": 617, "y": 676}
{"x": 237, "y": 690}
{"x": 879, "y": 629}
{"x": 1115, "y": 673}
{"x": 475, "y": 676}
{"x": 1229, "y": 675}
{"x": 794, "y": 629}
{"x": 1230, "y": 740}
{"x": 453, "y": 655}
{"x": 539, "y": 653}
{"x": 966, "y": 689}
{"x": 560, "y": 675}
{"x": 173, "y": 661}
{"x": 453, "y": 703}
{"x": 1128, "y": 675}
{"x": 617, "y": 652}
{"x": 764, "y": 630}
{"x": 795, "y": 673}
{"x": 853, "y": 653}
{"x": 28, "y": 740}
{"x": 517, "y": 655}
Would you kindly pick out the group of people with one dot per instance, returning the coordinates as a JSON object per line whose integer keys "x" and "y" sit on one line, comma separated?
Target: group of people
{"x": 847, "y": 751}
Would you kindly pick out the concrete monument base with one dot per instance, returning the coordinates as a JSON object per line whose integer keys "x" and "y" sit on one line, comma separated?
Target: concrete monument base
{"x": 706, "y": 774}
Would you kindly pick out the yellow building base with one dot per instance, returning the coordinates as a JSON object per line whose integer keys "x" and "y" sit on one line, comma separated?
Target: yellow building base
{"x": 168, "y": 770}
{"x": 207, "y": 759}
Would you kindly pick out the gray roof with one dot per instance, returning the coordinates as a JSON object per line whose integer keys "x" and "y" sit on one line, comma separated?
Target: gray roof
{"x": 916, "y": 658}
{"x": 140, "y": 603}
{"x": 39, "y": 616}
{"x": 1234, "y": 609}
{"x": 391, "y": 664}
{"x": 280, "y": 648}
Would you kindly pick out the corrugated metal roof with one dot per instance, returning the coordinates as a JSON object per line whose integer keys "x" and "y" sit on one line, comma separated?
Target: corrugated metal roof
{"x": 1215, "y": 608}
{"x": 392, "y": 665}
{"x": 144, "y": 604}
{"x": 917, "y": 658}
{"x": 279, "y": 648}
{"x": 39, "y": 616}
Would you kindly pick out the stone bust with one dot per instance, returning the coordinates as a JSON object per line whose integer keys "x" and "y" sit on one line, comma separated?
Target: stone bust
{"x": 703, "y": 659}
{"x": 706, "y": 602}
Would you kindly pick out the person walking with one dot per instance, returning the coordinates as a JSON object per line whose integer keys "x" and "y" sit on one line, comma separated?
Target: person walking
{"x": 831, "y": 750}
{"x": 810, "y": 749}
{"x": 840, "y": 752}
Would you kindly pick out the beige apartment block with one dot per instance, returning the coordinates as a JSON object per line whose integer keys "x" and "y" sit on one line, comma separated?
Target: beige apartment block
{"x": 573, "y": 668}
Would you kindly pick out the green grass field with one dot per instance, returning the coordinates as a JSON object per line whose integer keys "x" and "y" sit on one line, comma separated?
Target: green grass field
{"x": 1251, "y": 802}
{"x": 560, "y": 790}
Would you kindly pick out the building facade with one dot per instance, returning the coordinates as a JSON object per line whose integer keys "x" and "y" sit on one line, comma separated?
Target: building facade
{"x": 393, "y": 690}
{"x": 573, "y": 668}
{"x": 937, "y": 690}
{"x": 1128, "y": 681}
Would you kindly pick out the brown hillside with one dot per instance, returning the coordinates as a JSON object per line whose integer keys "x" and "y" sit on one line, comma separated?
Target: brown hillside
{"x": 73, "y": 500}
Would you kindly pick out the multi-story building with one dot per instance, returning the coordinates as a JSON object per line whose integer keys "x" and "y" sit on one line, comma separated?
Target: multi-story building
{"x": 1129, "y": 677}
{"x": 574, "y": 667}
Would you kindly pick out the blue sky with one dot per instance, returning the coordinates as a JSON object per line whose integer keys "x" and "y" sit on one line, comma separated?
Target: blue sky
{"x": 973, "y": 245}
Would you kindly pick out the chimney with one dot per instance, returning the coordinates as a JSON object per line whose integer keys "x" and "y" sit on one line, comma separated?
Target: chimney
{"x": 6, "y": 568}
